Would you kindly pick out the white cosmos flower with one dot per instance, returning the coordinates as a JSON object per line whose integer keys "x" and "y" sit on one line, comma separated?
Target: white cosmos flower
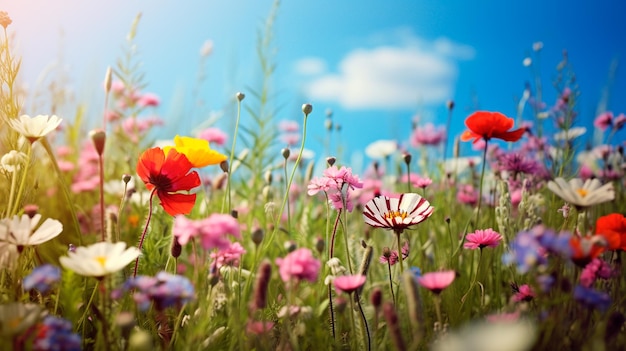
{"x": 20, "y": 231}
{"x": 381, "y": 149}
{"x": 580, "y": 194}
{"x": 33, "y": 128}
{"x": 570, "y": 134}
{"x": 99, "y": 259}
{"x": 13, "y": 160}
{"x": 397, "y": 213}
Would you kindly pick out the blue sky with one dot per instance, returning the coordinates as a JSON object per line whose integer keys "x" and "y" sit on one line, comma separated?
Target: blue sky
{"x": 375, "y": 64}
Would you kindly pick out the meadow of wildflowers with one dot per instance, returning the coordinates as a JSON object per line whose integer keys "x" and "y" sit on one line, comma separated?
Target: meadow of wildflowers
{"x": 222, "y": 240}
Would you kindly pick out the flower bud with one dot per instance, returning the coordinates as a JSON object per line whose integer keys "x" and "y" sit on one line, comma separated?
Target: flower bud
{"x": 108, "y": 80}
{"x": 240, "y": 96}
{"x": 98, "y": 137}
{"x": 126, "y": 178}
{"x": 31, "y": 210}
{"x": 450, "y": 104}
{"x": 176, "y": 249}
{"x": 285, "y": 152}
{"x": 224, "y": 166}
{"x": 376, "y": 298}
{"x": 407, "y": 158}
{"x": 331, "y": 160}
{"x": 257, "y": 236}
{"x": 320, "y": 244}
{"x": 307, "y": 109}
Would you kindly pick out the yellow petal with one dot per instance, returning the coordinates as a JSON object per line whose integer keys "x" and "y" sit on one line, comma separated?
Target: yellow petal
{"x": 198, "y": 151}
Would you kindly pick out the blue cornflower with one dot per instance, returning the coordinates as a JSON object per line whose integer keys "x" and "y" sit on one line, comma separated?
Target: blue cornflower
{"x": 525, "y": 252}
{"x": 592, "y": 298}
{"x": 164, "y": 290}
{"x": 417, "y": 272}
{"x": 55, "y": 334}
{"x": 552, "y": 241}
{"x": 42, "y": 278}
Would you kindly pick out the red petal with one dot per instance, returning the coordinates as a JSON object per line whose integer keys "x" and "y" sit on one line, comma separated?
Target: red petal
{"x": 176, "y": 204}
{"x": 514, "y": 135}
{"x": 150, "y": 162}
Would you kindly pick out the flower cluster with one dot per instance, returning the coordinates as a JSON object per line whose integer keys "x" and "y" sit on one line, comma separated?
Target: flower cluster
{"x": 164, "y": 290}
{"x": 336, "y": 183}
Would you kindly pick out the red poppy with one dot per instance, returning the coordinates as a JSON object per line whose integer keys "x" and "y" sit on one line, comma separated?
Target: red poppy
{"x": 487, "y": 125}
{"x": 613, "y": 228}
{"x": 169, "y": 175}
{"x": 586, "y": 248}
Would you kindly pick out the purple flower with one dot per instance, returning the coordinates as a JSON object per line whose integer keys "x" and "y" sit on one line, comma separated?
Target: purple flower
{"x": 592, "y": 298}
{"x": 518, "y": 163}
{"x": 164, "y": 289}
{"x": 56, "y": 334}
{"x": 594, "y": 270}
{"x": 525, "y": 252}
{"x": 42, "y": 278}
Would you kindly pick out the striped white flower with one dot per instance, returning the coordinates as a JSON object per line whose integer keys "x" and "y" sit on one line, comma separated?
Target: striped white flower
{"x": 398, "y": 213}
{"x": 582, "y": 195}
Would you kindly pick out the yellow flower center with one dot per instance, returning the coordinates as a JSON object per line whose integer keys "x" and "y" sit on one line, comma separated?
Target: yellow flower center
{"x": 582, "y": 192}
{"x": 394, "y": 214}
{"x": 102, "y": 260}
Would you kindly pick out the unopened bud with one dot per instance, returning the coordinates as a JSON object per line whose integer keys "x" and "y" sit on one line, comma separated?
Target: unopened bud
{"x": 290, "y": 246}
{"x": 307, "y": 109}
{"x": 331, "y": 160}
{"x": 285, "y": 152}
{"x": 386, "y": 252}
{"x": 407, "y": 158}
{"x": 240, "y": 96}
{"x": 376, "y": 298}
{"x": 234, "y": 214}
{"x": 108, "y": 80}
{"x": 99, "y": 138}
{"x": 31, "y": 210}
{"x": 320, "y": 244}
{"x": 268, "y": 177}
{"x": 176, "y": 249}
{"x": 224, "y": 166}
{"x": 450, "y": 104}
{"x": 126, "y": 178}
{"x": 257, "y": 236}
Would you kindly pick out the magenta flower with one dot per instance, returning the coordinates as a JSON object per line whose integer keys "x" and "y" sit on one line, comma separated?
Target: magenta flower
{"x": 148, "y": 99}
{"x": 229, "y": 256}
{"x": 436, "y": 281}
{"x": 604, "y": 121}
{"x": 523, "y": 293}
{"x": 397, "y": 213}
{"x": 482, "y": 238}
{"x": 349, "y": 283}
{"x": 299, "y": 265}
{"x": 428, "y": 135}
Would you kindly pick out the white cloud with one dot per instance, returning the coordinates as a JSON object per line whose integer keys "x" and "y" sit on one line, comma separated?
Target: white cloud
{"x": 310, "y": 66}
{"x": 413, "y": 73}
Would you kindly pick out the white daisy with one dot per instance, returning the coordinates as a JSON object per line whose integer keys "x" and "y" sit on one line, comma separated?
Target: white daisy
{"x": 20, "y": 231}
{"x": 580, "y": 194}
{"x": 397, "y": 213}
{"x": 33, "y": 128}
{"x": 99, "y": 259}
{"x": 381, "y": 149}
{"x": 570, "y": 134}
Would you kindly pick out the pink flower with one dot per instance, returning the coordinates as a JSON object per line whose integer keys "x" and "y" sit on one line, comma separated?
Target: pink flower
{"x": 619, "y": 121}
{"x": 349, "y": 283}
{"x": 436, "y": 281}
{"x": 229, "y": 256}
{"x": 604, "y": 121}
{"x": 482, "y": 238}
{"x": 214, "y": 231}
{"x": 290, "y": 138}
{"x": 428, "y": 135}
{"x": 148, "y": 99}
{"x": 523, "y": 293}
{"x": 393, "y": 256}
{"x": 299, "y": 264}
{"x": 595, "y": 269}
{"x": 288, "y": 126}
{"x": 318, "y": 184}
{"x": 259, "y": 327}
{"x": 467, "y": 195}
{"x": 213, "y": 135}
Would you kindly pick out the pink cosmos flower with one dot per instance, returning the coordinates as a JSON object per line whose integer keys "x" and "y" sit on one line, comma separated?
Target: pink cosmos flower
{"x": 619, "y": 121}
{"x": 604, "y": 121}
{"x": 318, "y": 184}
{"x": 148, "y": 99}
{"x": 436, "y": 281}
{"x": 467, "y": 194}
{"x": 482, "y": 238}
{"x": 428, "y": 135}
{"x": 299, "y": 265}
{"x": 290, "y": 138}
{"x": 393, "y": 257}
{"x": 213, "y": 135}
{"x": 523, "y": 293}
{"x": 288, "y": 126}
{"x": 349, "y": 283}
{"x": 399, "y": 213}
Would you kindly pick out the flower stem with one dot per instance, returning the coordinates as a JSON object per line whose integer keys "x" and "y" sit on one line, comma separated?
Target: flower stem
{"x": 364, "y": 322}
{"x": 393, "y": 296}
{"x": 145, "y": 230}
{"x": 480, "y": 187}
{"x": 230, "y": 159}
{"x": 398, "y": 233}
{"x": 20, "y": 190}
{"x": 101, "y": 176}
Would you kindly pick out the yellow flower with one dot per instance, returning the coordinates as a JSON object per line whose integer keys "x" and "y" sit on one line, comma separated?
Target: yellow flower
{"x": 198, "y": 151}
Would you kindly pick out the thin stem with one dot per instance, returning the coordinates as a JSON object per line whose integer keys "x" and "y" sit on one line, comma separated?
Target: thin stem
{"x": 20, "y": 190}
{"x": 293, "y": 172}
{"x": 12, "y": 191}
{"x": 393, "y": 295}
{"x": 398, "y": 233}
{"x": 480, "y": 187}
{"x": 230, "y": 159}
{"x": 352, "y": 316}
{"x": 288, "y": 204}
{"x": 364, "y": 321}
{"x": 145, "y": 230}
{"x": 408, "y": 173}
{"x": 437, "y": 300}
{"x": 101, "y": 176}
{"x": 88, "y": 306}
{"x": 331, "y": 310}
{"x": 464, "y": 298}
